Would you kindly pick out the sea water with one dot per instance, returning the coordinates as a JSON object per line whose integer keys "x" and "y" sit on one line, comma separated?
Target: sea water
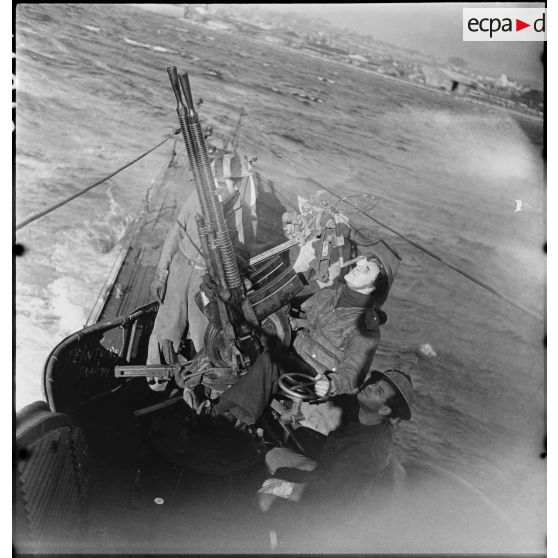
{"x": 93, "y": 93}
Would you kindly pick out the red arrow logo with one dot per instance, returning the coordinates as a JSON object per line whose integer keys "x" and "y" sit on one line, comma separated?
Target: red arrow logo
{"x": 519, "y": 25}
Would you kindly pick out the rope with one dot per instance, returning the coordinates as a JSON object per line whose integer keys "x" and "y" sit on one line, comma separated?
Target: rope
{"x": 411, "y": 242}
{"x": 98, "y": 183}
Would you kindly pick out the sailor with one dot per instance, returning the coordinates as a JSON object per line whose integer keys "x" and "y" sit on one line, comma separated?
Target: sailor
{"x": 181, "y": 264}
{"x": 335, "y": 342}
{"x": 351, "y": 458}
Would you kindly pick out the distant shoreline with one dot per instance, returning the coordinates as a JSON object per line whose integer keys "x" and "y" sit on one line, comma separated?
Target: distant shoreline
{"x": 406, "y": 82}
{"x": 537, "y": 118}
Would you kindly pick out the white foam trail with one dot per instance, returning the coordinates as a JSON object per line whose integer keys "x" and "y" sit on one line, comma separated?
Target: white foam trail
{"x": 82, "y": 259}
{"x": 67, "y": 302}
{"x": 135, "y": 43}
{"x": 41, "y": 324}
{"x": 37, "y": 342}
{"x": 91, "y": 28}
{"x": 163, "y": 49}
{"x": 34, "y": 341}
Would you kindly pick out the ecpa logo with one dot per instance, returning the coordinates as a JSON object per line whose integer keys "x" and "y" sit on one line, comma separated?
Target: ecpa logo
{"x": 504, "y": 24}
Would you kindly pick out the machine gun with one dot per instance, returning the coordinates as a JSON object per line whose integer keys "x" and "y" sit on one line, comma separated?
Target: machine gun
{"x": 223, "y": 286}
{"x": 236, "y": 312}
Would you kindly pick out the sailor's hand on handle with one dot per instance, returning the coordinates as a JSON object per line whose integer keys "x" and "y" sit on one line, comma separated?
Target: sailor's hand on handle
{"x": 321, "y": 385}
{"x": 159, "y": 285}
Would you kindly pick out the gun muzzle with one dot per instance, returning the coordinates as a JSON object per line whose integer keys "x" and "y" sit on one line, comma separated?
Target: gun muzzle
{"x": 185, "y": 82}
{"x": 173, "y": 75}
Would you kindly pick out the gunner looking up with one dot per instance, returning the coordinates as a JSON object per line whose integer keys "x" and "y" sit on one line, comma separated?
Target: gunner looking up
{"x": 336, "y": 342}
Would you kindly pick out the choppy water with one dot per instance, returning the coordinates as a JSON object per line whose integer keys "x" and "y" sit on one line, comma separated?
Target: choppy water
{"x": 92, "y": 93}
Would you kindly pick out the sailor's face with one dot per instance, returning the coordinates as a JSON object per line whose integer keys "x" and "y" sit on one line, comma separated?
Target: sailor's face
{"x": 373, "y": 396}
{"x": 226, "y": 189}
{"x": 363, "y": 274}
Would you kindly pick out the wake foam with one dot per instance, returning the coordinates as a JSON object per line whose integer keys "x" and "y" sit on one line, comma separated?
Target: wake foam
{"x": 66, "y": 301}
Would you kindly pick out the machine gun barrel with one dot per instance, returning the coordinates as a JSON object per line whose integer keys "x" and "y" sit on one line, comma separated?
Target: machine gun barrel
{"x": 207, "y": 222}
{"x": 173, "y": 76}
{"x": 182, "y": 111}
{"x": 214, "y": 267}
{"x": 222, "y": 236}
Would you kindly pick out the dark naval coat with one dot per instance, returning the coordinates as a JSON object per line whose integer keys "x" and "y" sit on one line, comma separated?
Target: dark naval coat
{"x": 337, "y": 340}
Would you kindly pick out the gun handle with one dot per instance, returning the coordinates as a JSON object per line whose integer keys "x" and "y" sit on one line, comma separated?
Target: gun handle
{"x": 161, "y": 371}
